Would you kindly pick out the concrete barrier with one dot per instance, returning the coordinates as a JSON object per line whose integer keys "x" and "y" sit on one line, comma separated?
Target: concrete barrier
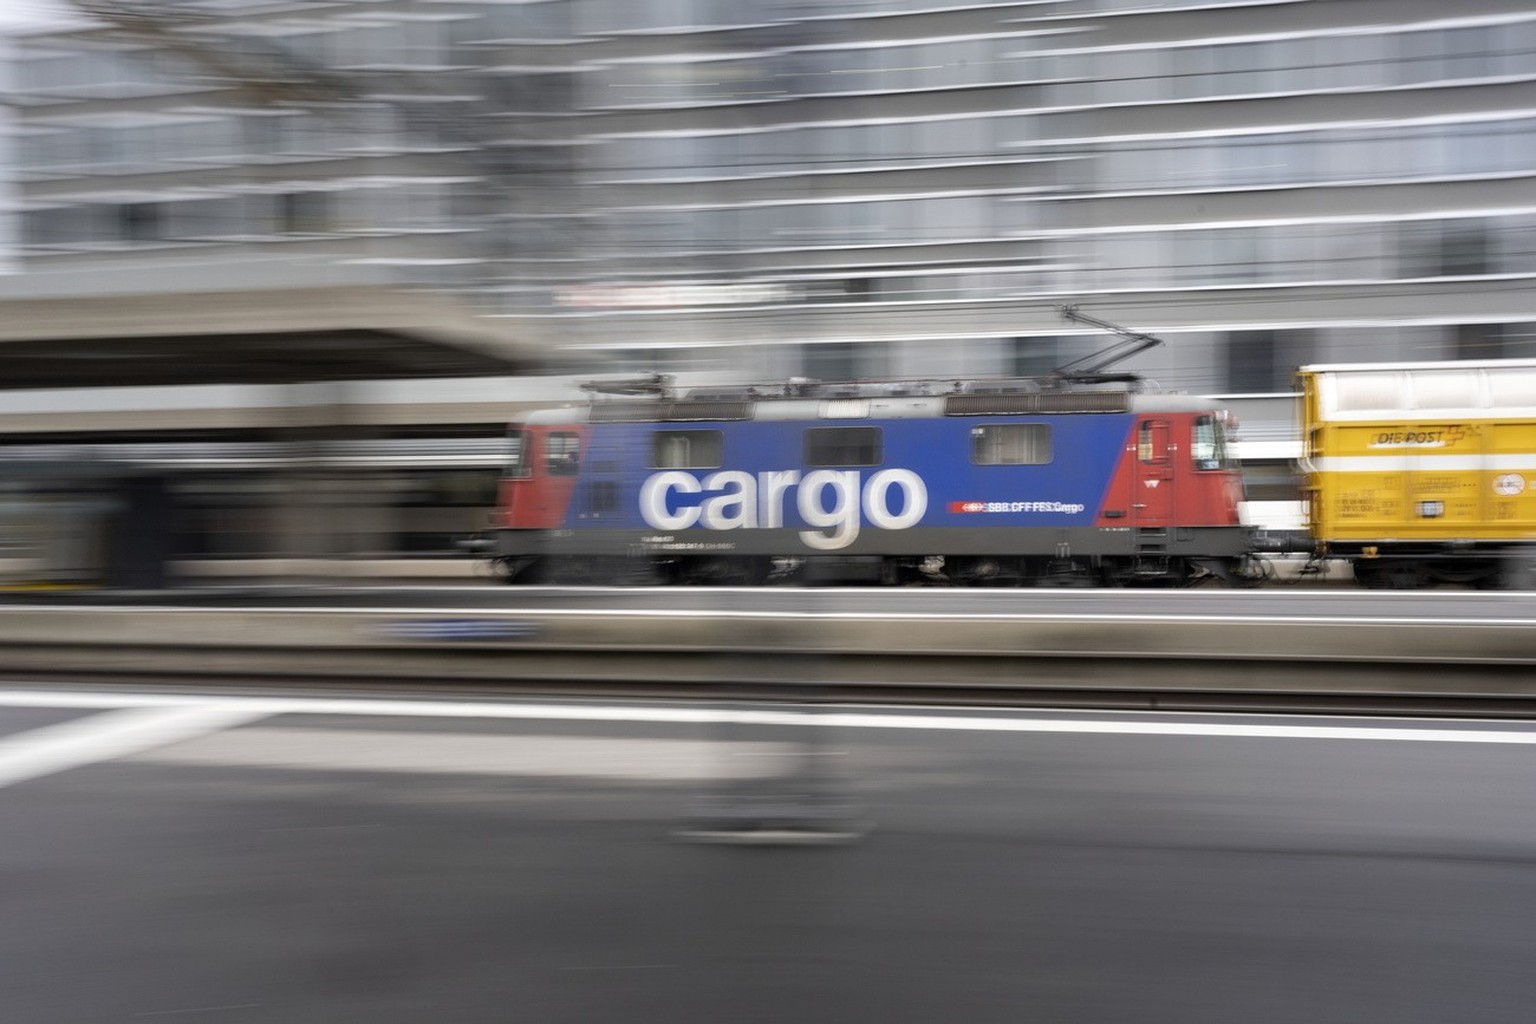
{"x": 612, "y": 650}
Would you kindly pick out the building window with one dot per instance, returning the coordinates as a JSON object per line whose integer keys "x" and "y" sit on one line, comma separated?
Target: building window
{"x": 1444, "y": 248}
{"x": 1266, "y": 361}
{"x": 303, "y": 213}
{"x": 687, "y": 449}
{"x": 1251, "y": 361}
{"x": 843, "y": 446}
{"x": 1519, "y": 340}
{"x": 861, "y": 288}
{"x": 837, "y": 361}
{"x": 1011, "y": 444}
{"x": 1480, "y": 341}
{"x": 1032, "y": 357}
{"x": 1464, "y": 248}
{"x": 139, "y": 222}
{"x": 845, "y": 361}
{"x": 66, "y": 226}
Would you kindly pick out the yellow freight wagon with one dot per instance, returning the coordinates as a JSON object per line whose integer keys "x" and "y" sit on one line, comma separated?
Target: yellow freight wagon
{"x": 1423, "y": 473}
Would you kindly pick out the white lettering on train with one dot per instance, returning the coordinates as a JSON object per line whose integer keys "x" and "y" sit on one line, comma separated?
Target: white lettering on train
{"x": 829, "y": 500}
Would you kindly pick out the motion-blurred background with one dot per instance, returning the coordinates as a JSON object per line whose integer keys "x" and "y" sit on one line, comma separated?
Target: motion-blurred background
{"x": 282, "y": 270}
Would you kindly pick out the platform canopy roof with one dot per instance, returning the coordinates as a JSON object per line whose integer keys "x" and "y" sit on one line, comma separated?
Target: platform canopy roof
{"x": 279, "y": 335}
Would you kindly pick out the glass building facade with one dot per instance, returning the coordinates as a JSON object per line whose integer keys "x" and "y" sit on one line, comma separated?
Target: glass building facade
{"x": 828, "y": 189}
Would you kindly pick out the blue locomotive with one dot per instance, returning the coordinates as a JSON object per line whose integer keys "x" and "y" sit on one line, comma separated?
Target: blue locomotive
{"x": 1072, "y": 478}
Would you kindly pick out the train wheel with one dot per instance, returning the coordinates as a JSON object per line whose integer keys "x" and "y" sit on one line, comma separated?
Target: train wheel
{"x": 725, "y": 572}
{"x": 493, "y": 569}
{"x": 1372, "y": 576}
{"x": 1063, "y": 581}
{"x": 568, "y": 572}
{"x": 1069, "y": 576}
{"x": 1519, "y": 571}
{"x": 521, "y": 571}
{"x": 600, "y": 571}
{"x": 1390, "y": 575}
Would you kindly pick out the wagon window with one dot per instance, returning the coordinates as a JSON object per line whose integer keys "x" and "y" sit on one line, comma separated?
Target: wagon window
{"x": 844, "y": 446}
{"x": 562, "y": 453}
{"x": 1011, "y": 444}
{"x": 517, "y": 453}
{"x": 687, "y": 449}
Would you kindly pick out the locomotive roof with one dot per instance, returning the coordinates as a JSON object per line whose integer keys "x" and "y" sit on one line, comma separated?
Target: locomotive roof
{"x": 662, "y": 386}
{"x": 649, "y": 400}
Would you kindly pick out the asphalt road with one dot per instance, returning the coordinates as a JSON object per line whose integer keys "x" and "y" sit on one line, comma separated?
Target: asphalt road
{"x": 292, "y": 860}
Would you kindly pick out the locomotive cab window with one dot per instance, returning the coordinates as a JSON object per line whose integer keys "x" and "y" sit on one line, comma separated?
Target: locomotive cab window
{"x": 562, "y": 453}
{"x": 687, "y": 449}
{"x": 844, "y": 446}
{"x": 517, "y": 454}
{"x": 1011, "y": 444}
{"x": 1209, "y": 444}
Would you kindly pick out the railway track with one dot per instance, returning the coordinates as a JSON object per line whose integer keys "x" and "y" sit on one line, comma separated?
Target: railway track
{"x": 830, "y": 693}
{"x": 1194, "y": 658}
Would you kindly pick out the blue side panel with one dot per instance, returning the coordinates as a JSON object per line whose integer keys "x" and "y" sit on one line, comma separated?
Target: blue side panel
{"x": 923, "y": 462}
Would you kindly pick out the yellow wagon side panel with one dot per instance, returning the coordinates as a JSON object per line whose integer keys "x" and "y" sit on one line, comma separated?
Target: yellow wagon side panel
{"x": 1511, "y": 481}
{"x": 1380, "y": 470}
{"x": 1403, "y": 481}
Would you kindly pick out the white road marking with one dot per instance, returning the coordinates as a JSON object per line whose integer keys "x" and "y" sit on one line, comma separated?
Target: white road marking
{"x": 93, "y": 700}
{"x": 1313, "y": 732}
{"x": 435, "y": 753}
{"x": 113, "y": 734}
{"x": 246, "y": 708}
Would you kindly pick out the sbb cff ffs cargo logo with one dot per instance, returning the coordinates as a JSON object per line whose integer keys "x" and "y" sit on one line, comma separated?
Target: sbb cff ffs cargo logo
{"x": 835, "y": 503}
{"x": 1070, "y": 508}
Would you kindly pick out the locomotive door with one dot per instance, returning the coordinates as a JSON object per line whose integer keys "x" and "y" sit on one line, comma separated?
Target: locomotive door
{"x": 1152, "y": 503}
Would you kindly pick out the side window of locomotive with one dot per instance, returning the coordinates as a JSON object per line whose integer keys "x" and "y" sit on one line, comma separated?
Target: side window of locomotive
{"x": 604, "y": 497}
{"x": 844, "y": 446}
{"x": 562, "y": 453}
{"x": 1011, "y": 444}
{"x": 517, "y": 454}
{"x": 1209, "y": 444}
{"x": 1152, "y": 441}
{"x": 687, "y": 449}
